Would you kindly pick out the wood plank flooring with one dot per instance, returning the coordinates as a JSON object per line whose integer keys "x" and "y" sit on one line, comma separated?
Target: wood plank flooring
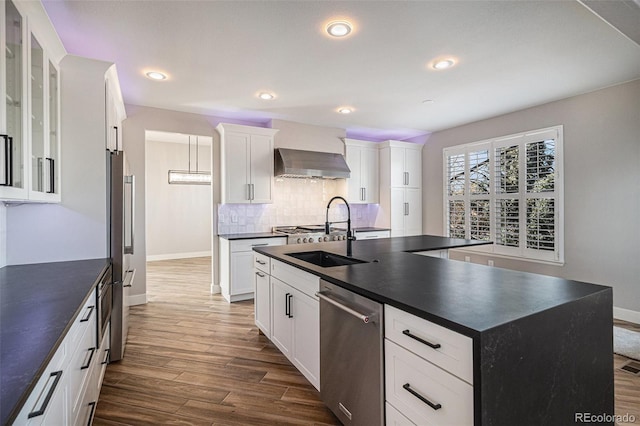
{"x": 194, "y": 359}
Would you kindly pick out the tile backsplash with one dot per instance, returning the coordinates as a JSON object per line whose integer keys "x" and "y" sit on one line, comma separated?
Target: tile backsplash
{"x": 295, "y": 202}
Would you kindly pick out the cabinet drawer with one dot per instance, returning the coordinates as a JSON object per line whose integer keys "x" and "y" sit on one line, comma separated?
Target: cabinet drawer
{"x": 455, "y": 353}
{"x": 412, "y": 384}
{"x": 262, "y": 262}
{"x": 303, "y": 281}
{"x": 80, "y": 368}
{"x": 86, "y": 319}
{"x": 52, "y": 384}
{"x": 395, "y": 417}
{"x": 370, "y": 235}
{"x": 248, "y": 245}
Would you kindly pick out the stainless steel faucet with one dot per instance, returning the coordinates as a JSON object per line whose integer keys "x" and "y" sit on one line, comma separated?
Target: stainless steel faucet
{"x": 327, "y": 224}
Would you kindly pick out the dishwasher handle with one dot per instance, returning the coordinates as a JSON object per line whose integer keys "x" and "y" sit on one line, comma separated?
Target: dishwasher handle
{"x": 365, "y": 318}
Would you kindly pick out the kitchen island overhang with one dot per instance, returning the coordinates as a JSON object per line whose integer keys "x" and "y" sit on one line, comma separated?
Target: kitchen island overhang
{"x": 542, "y": 346}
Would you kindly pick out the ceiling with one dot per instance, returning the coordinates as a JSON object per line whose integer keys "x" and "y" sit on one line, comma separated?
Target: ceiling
{"x": 219, "y": 55}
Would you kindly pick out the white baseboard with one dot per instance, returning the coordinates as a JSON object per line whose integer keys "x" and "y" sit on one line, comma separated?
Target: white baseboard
{"x": 626, "y": 315}
{"x": 137, "y": 299}
{"x": 153, "y": 258}
{"x": 215, "y": 289}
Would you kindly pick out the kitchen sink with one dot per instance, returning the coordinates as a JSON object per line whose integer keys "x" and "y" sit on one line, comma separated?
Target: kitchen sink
{"x": 325, "y": 259}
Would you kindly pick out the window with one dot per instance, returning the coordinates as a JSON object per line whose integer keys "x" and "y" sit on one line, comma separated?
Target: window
{"x": 508, "y": 190}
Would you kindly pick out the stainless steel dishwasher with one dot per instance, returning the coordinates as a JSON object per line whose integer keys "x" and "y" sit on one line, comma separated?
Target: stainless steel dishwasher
{"x": 351, "y": 363}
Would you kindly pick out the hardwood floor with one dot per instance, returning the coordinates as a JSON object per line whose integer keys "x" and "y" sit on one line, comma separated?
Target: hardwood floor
{"x": 194, "y": 359}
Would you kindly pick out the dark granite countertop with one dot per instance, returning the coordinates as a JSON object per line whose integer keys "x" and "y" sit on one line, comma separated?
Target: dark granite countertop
{"x": 37, "y": 306}
{"x": 464, "y": 297}
{"x": 250, "y": 236}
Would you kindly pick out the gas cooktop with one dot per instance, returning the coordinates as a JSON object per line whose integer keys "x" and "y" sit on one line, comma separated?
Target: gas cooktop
{"x": 309, "y": 234}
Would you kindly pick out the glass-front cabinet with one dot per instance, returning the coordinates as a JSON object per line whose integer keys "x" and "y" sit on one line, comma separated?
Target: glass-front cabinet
{"x": 30, "y": 117}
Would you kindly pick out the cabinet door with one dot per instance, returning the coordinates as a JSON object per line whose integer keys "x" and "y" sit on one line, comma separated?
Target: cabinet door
{"x": 58, "y": 411}
{"x": 52, "y": 175}
{"x": 413, "y": 167}
{"x": 369, "y": 175}
{"x": 398, "y": 212}
{"x": 13, "y": 89}
{"x": 37, "y": 114}
{"x": 241, "y": 273}
{"x": 262, "y": 301}
{"x": 354, "y": 187}
{"x": 236, "y": 168}
{"x": 261, "y": 170}
{"x": 306, "y": 336}
{"x": 282, "y": 323}
{"x": 413, "y": 217}
{"x": 398, "y": 176}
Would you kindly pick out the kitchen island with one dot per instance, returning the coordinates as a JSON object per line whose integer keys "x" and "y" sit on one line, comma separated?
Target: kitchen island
{"x": 541, "y": 346}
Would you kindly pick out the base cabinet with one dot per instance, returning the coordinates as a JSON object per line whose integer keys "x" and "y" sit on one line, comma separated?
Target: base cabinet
{"x": 236, "y": 266}
{"x": 294, "y": 315}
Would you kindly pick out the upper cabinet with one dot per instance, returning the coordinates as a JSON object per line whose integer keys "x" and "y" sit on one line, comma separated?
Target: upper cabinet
{"x": 246, "y": 163}
{"x": 30, "y": 115}
{"x": 362, "y": 159}
{"x": 405, "y": 164}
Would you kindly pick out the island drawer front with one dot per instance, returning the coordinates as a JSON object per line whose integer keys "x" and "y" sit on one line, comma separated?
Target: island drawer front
{"x": 302, "y": 281}
{"x": 248, "y": 245}
{"x": 262, "y": 262}
{"x": 411, "y": 382}
{"x": 394, "y": 417}
{"x": 80, "y": 366}
{"x": 455, "y": 353}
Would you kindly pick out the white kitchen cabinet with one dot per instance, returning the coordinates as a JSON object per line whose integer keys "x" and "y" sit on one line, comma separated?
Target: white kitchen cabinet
{"x": 295, "y": 318}
{"x": 262, "y": 293}
{"x": 236, "y": 266}
{"x": 30, "y": 145}
{"x": 362, "y": 159}
{"x": 246, "y": 163}
{"x": 372, "y": 235}
{"x": 400, "y": 188}
{"x": 428, "y": 371}
{"x": 115, "y": 112}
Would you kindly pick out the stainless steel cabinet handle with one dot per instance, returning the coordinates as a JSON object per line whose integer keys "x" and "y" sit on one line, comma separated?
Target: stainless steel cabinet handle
{"x": 40, "y": 411}
{"x": 406, "y": 178}
{"x": 364, "y": 194}
{"x": 261, "y": 275}
{"x": 131, "y": 180}
{"x": 252, "y": 191}
{"x": 407, "y": 387}
{"x": 413, "y": 336}
{"x": 89, "y": 312}
{"x": 84, "y": 367}
{"x": 365, "y": 318}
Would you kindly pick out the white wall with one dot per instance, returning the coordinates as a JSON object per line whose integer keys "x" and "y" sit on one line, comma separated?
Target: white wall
{"x": 139, "y": 120}
{"x": 3, "y": 235}
{"x": 178, "y": 216}
{"x": 602, "y": 186}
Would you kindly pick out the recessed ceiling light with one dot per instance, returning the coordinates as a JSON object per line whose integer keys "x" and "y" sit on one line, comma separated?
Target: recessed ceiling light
{"x": 443, "y": 64}
{"x": 266, "y": 96}
{"x": 345, "y": 110}
{"x": 339, "y": 28}
{"x": 155, "y": 75}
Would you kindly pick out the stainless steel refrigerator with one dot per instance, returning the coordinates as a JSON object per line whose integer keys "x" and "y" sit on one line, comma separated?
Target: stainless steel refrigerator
{"x": 121, "y": 235}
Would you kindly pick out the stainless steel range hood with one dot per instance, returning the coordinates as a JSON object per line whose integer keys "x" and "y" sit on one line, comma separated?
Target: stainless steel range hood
{"x": 298, "y": 163}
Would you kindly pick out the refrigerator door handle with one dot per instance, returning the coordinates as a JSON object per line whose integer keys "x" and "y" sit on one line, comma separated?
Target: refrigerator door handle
{"x": 129, "y": 277}
{"x": 131, "y": 180}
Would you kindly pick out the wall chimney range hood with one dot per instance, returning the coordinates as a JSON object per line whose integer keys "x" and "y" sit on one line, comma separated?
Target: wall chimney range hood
{"x": 308, "y": 164}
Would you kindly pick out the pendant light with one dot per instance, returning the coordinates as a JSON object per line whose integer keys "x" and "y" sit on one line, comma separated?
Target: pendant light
{"x": 189, "y": 177}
